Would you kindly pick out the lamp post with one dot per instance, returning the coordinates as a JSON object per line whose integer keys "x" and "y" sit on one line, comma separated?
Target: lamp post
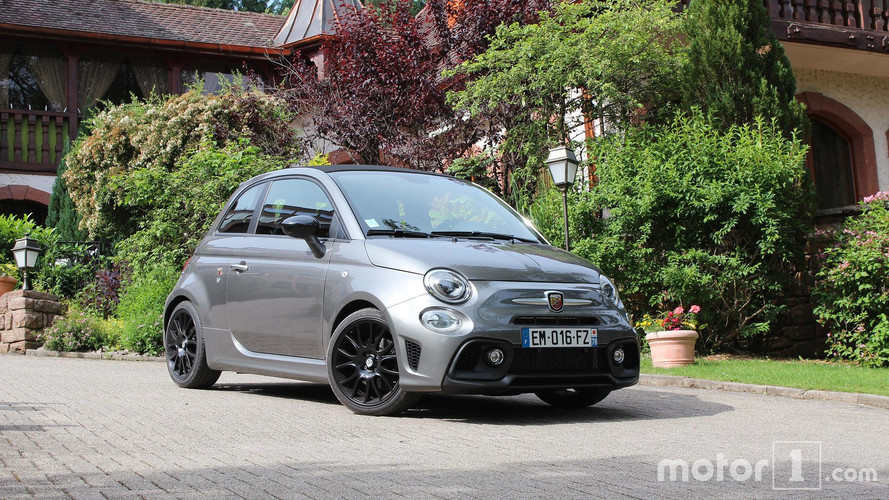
{"x": 26, "y": 251}
{"x": 562, "y": 166}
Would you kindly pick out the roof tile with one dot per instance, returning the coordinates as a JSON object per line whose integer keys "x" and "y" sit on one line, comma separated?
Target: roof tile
{"x": 135, "y": 18}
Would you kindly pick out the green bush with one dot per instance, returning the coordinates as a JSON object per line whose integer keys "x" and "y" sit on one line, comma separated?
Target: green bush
{"x": 117, "y": 174}
{"x": 141, "y": 307}
{"x": 67, "y": 270}
{"x": 852, "y": 293}
{"x": 694, "y": 215}
{"x": 194, "y": 193}
{"x": 78, "y": 331}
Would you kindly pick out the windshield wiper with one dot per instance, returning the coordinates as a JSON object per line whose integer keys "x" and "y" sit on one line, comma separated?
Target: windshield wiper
{"x": 398, "y": 233}
{"x": 482, "y": 234}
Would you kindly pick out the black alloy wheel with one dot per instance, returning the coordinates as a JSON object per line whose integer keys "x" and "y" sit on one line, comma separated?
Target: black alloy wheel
{"x": 184, "y": 349}
{"x": 363, "y": 366}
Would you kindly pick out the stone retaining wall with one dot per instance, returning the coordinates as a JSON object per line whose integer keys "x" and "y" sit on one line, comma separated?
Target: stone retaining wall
{"x": 23, "y": 315}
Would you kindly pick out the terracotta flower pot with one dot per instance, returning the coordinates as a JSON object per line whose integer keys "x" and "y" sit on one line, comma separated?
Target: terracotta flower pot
{"x": 7, "y": 284}
{"x": 672, "y": 348}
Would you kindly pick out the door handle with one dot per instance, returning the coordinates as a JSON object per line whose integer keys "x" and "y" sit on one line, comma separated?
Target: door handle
{"x": 240, "y": 268}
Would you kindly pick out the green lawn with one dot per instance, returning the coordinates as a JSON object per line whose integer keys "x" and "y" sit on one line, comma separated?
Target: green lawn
{"x": 801, "y": 374}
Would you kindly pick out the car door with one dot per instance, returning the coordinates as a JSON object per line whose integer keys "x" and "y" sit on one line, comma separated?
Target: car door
{"x": 276, "y": 286}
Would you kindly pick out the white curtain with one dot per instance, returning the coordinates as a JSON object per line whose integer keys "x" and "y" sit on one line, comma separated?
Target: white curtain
{"x": 97, "y": 72}
{"x": 6, "y": 52}
{"x": 48, "y": 67}
{"x": 152, "y": 75}
{"x": 212, "y": 83}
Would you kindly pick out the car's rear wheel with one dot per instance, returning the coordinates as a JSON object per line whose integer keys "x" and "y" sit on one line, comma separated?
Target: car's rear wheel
{"x": 362, "y": 364}
{"x": 573, "y": 398}
{"x": 184, "y": 349}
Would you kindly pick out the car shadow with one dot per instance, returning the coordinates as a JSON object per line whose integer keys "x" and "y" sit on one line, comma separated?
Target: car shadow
{"x": 624, "y": 405}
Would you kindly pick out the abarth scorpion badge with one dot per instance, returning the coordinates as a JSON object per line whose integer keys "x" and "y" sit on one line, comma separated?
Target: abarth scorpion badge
{"x": 555, "y": 301}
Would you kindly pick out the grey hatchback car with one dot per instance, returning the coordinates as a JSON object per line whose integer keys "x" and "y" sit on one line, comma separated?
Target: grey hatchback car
{"x": 389, "y": 283}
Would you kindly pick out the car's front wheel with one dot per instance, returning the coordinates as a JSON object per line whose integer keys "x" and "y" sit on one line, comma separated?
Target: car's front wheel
{"x": 184, "y": 349}
{"x": 362, "y": 366}
{"x": 573, "y": 398}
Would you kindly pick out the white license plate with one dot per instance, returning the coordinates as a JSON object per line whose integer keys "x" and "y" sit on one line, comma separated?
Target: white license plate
{"x": 560, "y": 337}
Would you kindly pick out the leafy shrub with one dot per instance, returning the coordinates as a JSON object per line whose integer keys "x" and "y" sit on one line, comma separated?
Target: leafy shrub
{"x": 194, "y": 193}
{"x": 78, "y": 331}
{"x": 852, "y": 294}
{"x": 67, "y": 269}
{"x": 102, "y": 294}
{"x": 695, "y": 216}
{"x": 141, "y": 310}
{"x": 117, "y": 174}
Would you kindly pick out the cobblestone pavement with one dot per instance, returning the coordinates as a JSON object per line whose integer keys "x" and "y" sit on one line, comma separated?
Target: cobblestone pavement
{"x": 92, "y": 429}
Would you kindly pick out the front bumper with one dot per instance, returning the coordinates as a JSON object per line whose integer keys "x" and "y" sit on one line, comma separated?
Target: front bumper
{"x": 431, "y": 362}
{"x": 535, "y": 369}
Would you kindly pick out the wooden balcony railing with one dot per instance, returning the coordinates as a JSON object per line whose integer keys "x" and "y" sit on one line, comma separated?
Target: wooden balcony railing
{"x": 856, "y": 24}
{"x": 32, "y": 141}
{"x": 862, "y": 14}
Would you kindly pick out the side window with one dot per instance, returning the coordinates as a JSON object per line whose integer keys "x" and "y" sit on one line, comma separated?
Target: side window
{"x": 238, "y": 217}
{"x": 290, "y": 197}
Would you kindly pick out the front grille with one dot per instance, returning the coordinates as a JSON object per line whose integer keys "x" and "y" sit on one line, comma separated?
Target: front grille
{"x": 557, "y": 360}
{"x": 555, "y": 320}
{"x": 413, "y": 354}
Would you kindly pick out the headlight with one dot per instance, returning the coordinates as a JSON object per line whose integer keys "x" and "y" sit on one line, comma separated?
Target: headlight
{"x": 447, "y": 286}
{"x": 441, "y": 320}
{"x": 609, "y": 290}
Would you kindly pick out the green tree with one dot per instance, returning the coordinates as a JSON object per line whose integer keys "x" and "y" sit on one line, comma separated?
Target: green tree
{"x": 696, "y": 215}
{"x": 613, "y": 59}
{"x": 736, "y": 69}
{"x": 417, "y": 5}
{"x": 62, "y": 213}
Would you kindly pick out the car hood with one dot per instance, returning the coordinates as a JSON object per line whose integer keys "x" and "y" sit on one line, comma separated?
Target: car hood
{"x": 482, "y": 260}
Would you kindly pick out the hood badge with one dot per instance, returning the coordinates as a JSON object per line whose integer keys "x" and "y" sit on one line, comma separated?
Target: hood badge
{"x": 555, "y": 301}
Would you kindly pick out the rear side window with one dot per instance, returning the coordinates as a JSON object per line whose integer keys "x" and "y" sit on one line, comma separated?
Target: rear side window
{"x": 290, "y": 197}
{"x": 239, "y": 216}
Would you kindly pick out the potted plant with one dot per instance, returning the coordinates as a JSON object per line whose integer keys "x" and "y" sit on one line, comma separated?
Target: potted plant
{"x": 8, "y": 277}
{"x": 672, "y": 337}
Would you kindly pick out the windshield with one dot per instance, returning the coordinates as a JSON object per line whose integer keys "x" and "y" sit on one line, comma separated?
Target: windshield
{"x": 409, "y": 204}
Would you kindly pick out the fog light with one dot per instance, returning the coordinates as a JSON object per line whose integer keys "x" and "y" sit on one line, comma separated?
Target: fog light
{"x": 618, "y": 355}
{"x": 441, "y": 321}
{"x": 495, "y": 357}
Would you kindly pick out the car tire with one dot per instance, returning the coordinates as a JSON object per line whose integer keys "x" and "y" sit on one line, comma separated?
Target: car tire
{"x": 573, "y": 398}
{"x": 363, "y": 366}
{"x": 184, "y": 349}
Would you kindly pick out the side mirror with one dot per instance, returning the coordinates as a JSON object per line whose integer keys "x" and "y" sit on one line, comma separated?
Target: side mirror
{"x": 305, "y": 227}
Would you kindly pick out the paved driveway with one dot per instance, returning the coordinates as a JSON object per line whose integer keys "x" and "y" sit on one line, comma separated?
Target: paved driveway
{"x": 89, "y": 429}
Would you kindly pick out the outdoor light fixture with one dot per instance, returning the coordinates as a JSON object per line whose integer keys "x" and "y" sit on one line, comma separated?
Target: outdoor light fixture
{"x": 562, "y": 166}
{"x": 26, "y": 251}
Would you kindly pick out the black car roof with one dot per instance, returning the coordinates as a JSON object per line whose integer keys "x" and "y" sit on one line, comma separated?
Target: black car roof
{"x": 369, "y": 168}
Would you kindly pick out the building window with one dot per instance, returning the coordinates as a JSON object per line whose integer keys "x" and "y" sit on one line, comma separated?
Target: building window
{"x": 124, "y": 87}
{"x": 20, "y": 88}
{"x": 843, "y": 160}
{"x": 217, "y": 77}
{"x": 831, "y": 166}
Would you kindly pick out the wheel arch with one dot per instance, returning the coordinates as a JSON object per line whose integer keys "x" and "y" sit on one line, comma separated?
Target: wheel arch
{"x": 351, "y": 307}
{"x": 171, "y": 305}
